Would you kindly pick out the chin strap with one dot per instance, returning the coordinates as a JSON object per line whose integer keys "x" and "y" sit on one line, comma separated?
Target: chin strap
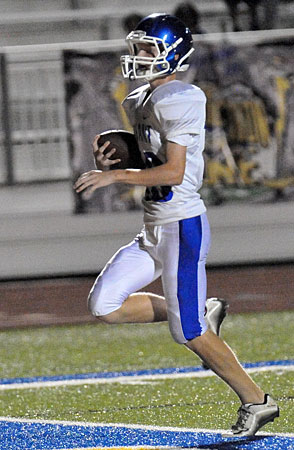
{"x": 184, "y": 67}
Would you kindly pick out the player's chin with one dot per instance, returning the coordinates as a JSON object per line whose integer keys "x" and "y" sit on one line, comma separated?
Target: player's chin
{"x": 142, "y": 69}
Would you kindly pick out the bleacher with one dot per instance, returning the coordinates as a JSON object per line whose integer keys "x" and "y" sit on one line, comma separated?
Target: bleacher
{"x": 35, "y": 21}
{"x": 40, "y": 21}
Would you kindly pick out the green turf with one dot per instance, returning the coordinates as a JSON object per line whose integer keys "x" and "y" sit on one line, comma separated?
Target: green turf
{"x": 205, "y": 403}
{"x": 202, "y": 403}
{"x": 92, "y": 348}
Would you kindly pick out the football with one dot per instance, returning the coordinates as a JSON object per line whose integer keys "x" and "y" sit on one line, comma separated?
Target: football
{"x": 127, "y": 149}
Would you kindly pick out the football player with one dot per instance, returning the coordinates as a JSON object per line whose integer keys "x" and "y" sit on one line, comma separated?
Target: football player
{"x": 168, "y": 118}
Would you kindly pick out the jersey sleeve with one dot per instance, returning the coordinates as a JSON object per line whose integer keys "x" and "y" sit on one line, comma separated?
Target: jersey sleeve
{"x": 181, "y": 114}
{"x": 186, "y": 140}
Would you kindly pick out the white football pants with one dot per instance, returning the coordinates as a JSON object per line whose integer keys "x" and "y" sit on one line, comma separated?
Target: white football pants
{"x": 177, "y": 251}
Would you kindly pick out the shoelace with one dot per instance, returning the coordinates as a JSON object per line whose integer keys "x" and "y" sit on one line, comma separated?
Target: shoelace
{"x": 244, "y": 413}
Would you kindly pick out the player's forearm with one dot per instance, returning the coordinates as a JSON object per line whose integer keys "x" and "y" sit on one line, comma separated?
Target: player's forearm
{"x": 163, "y": 175}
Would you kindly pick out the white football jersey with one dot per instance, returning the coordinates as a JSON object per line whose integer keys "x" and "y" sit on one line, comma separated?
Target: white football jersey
{"x": 174, "y": 111}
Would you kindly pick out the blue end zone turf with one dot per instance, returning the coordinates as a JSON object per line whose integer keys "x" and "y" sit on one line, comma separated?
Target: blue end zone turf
{"x": 46, "y": 436}
{"x": 164, "y": 371}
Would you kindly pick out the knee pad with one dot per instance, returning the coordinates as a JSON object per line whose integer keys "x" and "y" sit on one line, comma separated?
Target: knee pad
{"x": 103, "y": 300}
{"x": 181, "y": 335}
{"x": 179, "y": 338}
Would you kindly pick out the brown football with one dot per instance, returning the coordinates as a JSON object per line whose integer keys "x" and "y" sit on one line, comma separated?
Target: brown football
{"x": 127, "y": 149}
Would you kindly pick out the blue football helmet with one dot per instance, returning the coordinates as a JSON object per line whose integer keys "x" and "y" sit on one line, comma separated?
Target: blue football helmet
{"x": 172, "y": 42}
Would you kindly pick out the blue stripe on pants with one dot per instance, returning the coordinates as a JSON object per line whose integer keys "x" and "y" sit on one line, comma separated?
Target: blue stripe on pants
{"x": 190, "y": 239}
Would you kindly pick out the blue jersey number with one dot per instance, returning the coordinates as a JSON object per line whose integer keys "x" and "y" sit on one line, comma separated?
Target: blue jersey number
{"x": 156, "y": 193}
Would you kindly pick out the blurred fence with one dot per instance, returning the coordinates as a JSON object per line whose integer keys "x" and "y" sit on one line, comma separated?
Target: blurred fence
{"x": 34, "y": 120}
{"x": 33, "y": 130}
{"x": 33, "y": 127}
{"x": 3, "y": 164}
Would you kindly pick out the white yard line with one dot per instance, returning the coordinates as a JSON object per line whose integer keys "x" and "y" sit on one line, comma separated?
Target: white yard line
{"x": 134, "y": 379}
{"x": 109, "y": 425}
{"x": 126, "y": 425}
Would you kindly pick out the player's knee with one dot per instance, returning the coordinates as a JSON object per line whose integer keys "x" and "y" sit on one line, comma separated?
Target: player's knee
{"x": 177, "y": 334}
{"x": 101, "y": 310}
{"x": 111, "y": 319}
{"x": 178, "y": 339}
{"x": 183, "y": 336}
{"x": 103, "y": 302}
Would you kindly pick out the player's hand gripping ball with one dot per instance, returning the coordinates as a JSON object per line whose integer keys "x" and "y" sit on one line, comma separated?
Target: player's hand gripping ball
{"x": 117, "y": 149}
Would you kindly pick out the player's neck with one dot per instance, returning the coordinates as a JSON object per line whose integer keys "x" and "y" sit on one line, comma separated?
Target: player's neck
{"x": 159, "y": 81}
